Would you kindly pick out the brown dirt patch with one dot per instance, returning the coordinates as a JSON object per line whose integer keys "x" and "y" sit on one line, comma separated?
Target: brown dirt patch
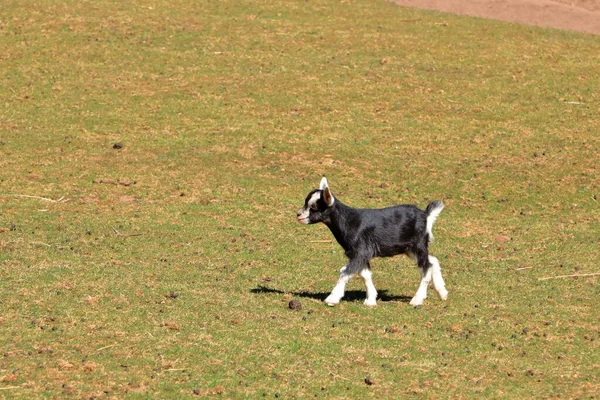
{"x": 575, "y": 15}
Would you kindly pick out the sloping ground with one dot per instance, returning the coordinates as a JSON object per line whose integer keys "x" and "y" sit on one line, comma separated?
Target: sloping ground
{"x": 576, "y": 15}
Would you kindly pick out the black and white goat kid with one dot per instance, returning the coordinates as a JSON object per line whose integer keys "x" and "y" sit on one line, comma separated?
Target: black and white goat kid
{"x": 368, "y": 233}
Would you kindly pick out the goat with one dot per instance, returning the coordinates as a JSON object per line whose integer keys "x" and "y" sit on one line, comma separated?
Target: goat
{"x": 368, "y": 233}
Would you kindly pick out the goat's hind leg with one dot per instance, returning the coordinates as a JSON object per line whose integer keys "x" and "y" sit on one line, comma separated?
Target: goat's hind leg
{"x": 426, "y": 271}
{"x": 438, "y": 281}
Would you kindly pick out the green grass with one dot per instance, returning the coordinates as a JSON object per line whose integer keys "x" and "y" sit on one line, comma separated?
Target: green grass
{"x": 229, "y": 113}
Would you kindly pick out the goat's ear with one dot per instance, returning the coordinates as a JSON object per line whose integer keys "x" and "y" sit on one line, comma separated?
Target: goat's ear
{"x": 323, "y": 184}
{"x": 328, "y": 197}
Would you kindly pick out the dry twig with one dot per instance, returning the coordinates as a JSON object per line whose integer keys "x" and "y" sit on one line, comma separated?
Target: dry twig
{"x": 113, "y": 182}
{"x": 120, "y": 234}
{"x": 568, "y": 276}
{"x": 106, "y": 347}
{"x": 33, "y": 197}
{"x": 41, "y": 243}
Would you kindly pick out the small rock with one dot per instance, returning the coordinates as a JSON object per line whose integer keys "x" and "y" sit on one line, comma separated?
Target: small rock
{"x": 295, "y": 305}
{"x": 368, "y": 381}
{"x": 173, "y": 295}
{"x": 118, "y": 146}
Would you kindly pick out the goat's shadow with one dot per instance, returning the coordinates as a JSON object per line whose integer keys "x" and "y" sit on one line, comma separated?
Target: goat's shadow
{"x": 350, "y": 295}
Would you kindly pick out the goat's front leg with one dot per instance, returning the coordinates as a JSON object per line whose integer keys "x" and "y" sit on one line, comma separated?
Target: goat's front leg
{"x": 371, "y": 300}
{"x": 338, "y": 291}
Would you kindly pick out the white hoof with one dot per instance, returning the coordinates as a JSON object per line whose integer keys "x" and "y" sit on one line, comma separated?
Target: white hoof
{"x": 370, "y": 303}
{"x": 332, "y": 301}
{"x": 416, "y": 301}
{"x": 443, "y": 294}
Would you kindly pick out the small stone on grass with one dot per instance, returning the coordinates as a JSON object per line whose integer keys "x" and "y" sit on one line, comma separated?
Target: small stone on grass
{"x": 295, "y": 305}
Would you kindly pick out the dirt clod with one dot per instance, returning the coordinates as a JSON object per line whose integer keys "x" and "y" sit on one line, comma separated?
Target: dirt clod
{"x": 295, "y": 305}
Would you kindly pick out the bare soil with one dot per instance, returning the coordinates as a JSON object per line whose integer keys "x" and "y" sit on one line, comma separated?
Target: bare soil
{"x": 575, "y": 15}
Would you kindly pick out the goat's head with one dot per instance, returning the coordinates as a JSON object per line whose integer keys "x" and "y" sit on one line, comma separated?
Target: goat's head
{"x": 317, "y": 205}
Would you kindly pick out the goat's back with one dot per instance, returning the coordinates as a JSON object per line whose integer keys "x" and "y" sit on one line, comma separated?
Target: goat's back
{"x": 389, "y": 231}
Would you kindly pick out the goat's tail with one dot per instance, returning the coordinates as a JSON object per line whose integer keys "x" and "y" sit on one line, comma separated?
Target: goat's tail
{"x": 433, "y": 210}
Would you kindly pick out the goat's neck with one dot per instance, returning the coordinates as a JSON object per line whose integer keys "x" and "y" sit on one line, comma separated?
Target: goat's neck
{"x": 340, "y": 223}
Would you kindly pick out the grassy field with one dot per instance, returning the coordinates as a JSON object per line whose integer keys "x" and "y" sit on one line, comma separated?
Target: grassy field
{"x": 173, "y": 281}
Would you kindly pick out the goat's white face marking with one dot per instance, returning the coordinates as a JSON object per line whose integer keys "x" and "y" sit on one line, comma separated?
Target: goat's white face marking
{"x": 303, "y": 216}
{"x": 304, "y": 213}
{"x": 316, "y": 205}
{"x": 313, "y": 200}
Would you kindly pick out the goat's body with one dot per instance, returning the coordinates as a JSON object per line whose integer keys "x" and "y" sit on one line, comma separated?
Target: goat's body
{"x": 386, "y": 232}
{"x": 368, "y": 233}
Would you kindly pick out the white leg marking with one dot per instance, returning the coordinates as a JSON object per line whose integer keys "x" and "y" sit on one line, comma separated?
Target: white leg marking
{"x": 371, "y": 291}
{"x": 338, "y": 291}
{"x": 438, "y": 282}
{"x": 421, "y": 294}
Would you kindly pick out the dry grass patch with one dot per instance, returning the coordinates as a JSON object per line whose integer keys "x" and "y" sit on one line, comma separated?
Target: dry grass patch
{"x": 226, "y": 113}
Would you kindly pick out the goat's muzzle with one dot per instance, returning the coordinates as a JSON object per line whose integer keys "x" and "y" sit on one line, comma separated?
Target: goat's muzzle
{"x": 302, "y": 216}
